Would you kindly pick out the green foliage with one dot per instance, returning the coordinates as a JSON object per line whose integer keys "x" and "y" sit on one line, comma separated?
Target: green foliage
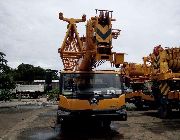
{"x": 53, "y": 94}
{"x": 52, "y": 74}
{"x": 39, "y": 73}
{"x": 6, "y": 79}
{"x": 2, "y": 60}
{"x": 5, "y": 95}
{"x": 48, "y": 79}
{"x": 28, "y": 73}
{"x": 130, "y": 107}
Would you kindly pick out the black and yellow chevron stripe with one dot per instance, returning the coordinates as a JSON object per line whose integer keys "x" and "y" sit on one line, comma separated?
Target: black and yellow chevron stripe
{"x": 164, "y": 88}
{"x": 156, "y": 63}
{"x": 103, "y": 33}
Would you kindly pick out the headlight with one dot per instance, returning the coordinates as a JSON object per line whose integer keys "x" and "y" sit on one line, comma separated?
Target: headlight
{"x": 118, "y": 91}
{"x": 67, "y": 93}
{"x": 121, "y": 111}
{"x": 111, "y": 92}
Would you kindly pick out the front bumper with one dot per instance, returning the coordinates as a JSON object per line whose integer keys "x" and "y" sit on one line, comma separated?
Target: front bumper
{"x": 118, "y": 115}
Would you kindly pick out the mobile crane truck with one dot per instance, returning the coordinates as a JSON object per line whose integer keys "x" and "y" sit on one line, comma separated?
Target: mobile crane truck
{"x": 86, "y": 93}
{"x": 139, "y": 86}
{"x": 165, "y": 75}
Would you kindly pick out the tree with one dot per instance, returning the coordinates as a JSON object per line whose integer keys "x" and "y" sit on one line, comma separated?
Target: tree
{"x": 27, "y": 73}
{"x": 39, "y": 73}
{"x": 3, "y": 63}
{"x": 50, "y": 75}
{"x": 54, "y": 74}
{"x": 6, "y": 79}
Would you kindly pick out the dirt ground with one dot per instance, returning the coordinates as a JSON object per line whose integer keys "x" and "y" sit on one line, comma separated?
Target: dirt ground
{"x": 38, "y": 122}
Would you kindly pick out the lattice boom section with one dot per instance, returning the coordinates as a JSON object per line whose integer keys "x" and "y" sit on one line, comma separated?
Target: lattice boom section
{"x": 70, "y": 63}
{"x": 71, "y": 49}
{"x": 72, "y": 45}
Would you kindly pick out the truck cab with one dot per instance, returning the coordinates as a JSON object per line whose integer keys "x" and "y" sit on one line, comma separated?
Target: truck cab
{"x": 95, "y": 95}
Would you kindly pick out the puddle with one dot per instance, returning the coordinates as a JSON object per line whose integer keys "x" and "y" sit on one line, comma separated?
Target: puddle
{"x": 74, "y": 133}
{"x": 39, "y": 134}
{"x": 91, "y": 133}
{"x": 45, "y": 134}
{"x": 43, "y": 129}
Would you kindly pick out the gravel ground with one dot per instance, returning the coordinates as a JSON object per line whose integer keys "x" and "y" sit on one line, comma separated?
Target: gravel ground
{"x": 38, "y": 122}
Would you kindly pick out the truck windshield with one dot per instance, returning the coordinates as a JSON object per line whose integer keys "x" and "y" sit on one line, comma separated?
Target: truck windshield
{"x": 91, "y": 83}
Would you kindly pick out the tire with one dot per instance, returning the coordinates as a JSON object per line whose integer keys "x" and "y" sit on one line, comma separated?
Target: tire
{"x": 139, "y": 105}
{"x": 164, "y": 111}
{"x": 64, "y": 126}
{"x": 106, "y": 125}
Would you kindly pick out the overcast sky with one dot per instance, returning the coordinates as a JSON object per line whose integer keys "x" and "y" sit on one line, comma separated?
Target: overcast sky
{"x": 31, "y": 33}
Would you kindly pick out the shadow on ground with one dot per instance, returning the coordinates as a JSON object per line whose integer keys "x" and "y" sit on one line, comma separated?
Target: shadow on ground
{"x": 154, "y": 113}
{"x": 171, "y": 123}
{"x": 80, "y": 132}
{"x": 85, "y": 133}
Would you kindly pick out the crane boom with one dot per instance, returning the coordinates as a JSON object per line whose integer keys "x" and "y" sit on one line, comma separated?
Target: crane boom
{"x": 86, "y": 53}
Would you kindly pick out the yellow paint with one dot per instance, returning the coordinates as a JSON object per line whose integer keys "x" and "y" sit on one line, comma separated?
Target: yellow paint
{"x": 77, "y": 104}
{"x": 119, "y": 58}
{"x": 174, "y": 95}
{"x": 147, "y": 97}
{"x": 133, "y": 94}
{"x": 141, "y": 95}
{"x": 103, "y": 29}
{"x": 108, "y": 39}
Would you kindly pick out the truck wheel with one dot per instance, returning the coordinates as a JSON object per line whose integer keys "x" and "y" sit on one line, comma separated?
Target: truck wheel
{"x": 163, "y": 111}
{"x": 139, "y": 105}
{"x": 106, "y": 124}
{"x": 64, "y": 126}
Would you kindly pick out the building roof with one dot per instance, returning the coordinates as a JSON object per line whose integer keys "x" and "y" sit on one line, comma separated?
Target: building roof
{"x": 43, "y": 81}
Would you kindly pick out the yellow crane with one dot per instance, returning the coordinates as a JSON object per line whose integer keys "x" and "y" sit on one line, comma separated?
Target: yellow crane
{"x": 139, "y": 87}
{"x": 165, "y": 64}
{"x": 87, "y": 93}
